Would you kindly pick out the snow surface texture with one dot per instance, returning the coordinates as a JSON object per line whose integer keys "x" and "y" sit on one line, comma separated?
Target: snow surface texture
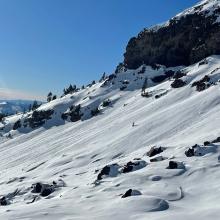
{"x": 51, "y": 172}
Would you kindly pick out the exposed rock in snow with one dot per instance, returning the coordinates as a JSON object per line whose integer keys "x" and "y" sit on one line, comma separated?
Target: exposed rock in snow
{"x": 176, "y": 165}
{"x": 133, "y": 165}
{"x": 157, "y": 159}
{"x": 131, "y": 192}
{"x": 109, "y": 170}
{"x": 154, "y": 151}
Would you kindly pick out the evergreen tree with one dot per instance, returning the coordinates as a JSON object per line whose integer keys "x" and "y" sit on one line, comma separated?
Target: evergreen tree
{"x": 30, "y": 108}
{"x": 103, "y": 77}
{"x": 35, "y": 105}
{"x": 2, "y": 116}
{"x": 144, "y": 87}
{"x": 71, "y": 89}
{"x": 49, "y": 97}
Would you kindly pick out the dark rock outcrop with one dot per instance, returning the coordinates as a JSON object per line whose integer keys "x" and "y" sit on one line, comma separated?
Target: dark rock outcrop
{"x": 176, "y": 165}
{"x": 133, "y": 165}
{"x": 131, "y": 192}
{"x": 3, "y": 201}
{"x": 199, "y": 151}
{"x": 106, "y": 103}
{"x": 173, "y": 165}
{"x": 186, "y": 40}
{"x": 190, "y": 152}
{"x": 38, "y": 187}
{"x": 108, "y": 170}
{"x": 178, "y": 83}
{"x": 95, "y": 111}
{"x": 105, "y": 171}
{"x": 157, "y": 159}
{"x": 206, "y": 143}
{"x": 127, "y": 194}
{"x": 45, "y": 190}
{"x": 129, "y": 167}
{"x": 154, "y": 151}
{"x": 217, "y": 140}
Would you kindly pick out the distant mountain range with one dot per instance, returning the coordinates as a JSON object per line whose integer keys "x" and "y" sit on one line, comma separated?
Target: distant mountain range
{"x": 10, "y": 107}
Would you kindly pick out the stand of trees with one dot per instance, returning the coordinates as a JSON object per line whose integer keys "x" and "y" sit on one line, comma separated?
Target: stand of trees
{"x": 69, "y": 90}
{"x": 51, "y": 97}
{"x": 34, "y": 106}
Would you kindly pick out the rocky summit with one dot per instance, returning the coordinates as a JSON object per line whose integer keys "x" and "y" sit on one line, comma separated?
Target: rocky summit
{"x": 183, "y": 40}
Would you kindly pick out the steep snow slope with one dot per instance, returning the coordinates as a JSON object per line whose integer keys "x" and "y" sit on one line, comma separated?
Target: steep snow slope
{"x": 73, "y": 153}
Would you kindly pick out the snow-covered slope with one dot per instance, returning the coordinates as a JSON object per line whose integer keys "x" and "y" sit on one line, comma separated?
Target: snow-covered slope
{"x": 205, "y": 7}
{"x": 70, "y": 156}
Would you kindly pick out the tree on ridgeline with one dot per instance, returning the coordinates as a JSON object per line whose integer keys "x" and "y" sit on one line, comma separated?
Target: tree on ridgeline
{"x": 49, "y": 97}
{"x": 71, "y": 89}
{"x": 103, "y": 77}
{"x": 35, "y": 105}
{"x": 54, "y": 97}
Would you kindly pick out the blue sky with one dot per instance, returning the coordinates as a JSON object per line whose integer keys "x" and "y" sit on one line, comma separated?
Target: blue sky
{"x": 47, "y": 44}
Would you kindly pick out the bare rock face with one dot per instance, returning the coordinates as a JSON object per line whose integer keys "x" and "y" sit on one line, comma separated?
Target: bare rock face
{"x": 183, "y": 41}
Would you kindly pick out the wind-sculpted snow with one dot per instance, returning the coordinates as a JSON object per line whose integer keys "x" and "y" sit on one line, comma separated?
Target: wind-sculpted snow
{"x": 127, "y": 162}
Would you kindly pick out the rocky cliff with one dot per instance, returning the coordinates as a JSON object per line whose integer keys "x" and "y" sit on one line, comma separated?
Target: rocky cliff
{"x": 183, "y": 40}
